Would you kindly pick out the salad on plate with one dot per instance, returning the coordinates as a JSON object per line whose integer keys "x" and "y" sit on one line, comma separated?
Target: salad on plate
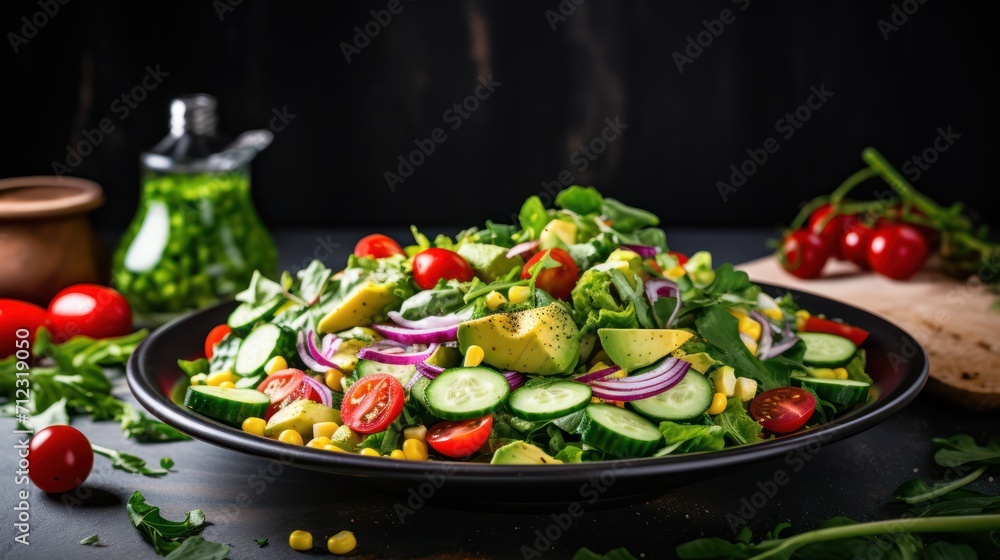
{"x": 572, "y": 336}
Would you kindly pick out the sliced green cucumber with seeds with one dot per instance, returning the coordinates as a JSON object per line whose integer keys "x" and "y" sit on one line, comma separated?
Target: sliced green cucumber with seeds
{"x": 228, "y": 405}
{"x": 687, "y": 400}
{"x": 826, "y": 350}
{"x": 263, "y": 343}
{"x": 619, "y": 432}
{"x": 842, "y": 393}
{"x": 549, "y": 400}
{"x": 246, "y": 314}
{"x": 466, "y": 392}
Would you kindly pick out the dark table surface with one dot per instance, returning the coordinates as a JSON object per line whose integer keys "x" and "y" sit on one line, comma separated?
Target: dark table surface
{"x": 245, "y": 498}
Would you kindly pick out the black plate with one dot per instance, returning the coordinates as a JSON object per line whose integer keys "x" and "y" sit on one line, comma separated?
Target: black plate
{"x": 895, "y": 360}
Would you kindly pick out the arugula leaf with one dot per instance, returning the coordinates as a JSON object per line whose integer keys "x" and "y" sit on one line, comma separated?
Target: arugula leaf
{"x": 615, "y": 554}
{"x": 719, "y": 329}
{"x": 197, "y": 548}
{"x": 54, "y": 414}
{"x": 634, "y": 295}
{"x": 739, "y": 427}
{"x": 128, "y": 463}
{"x": 138, "y": 426}
{"x": 92, "y": 539}
{"x": 685, "y": 438}
{"x": 533, "y": 218}
{"x": 963, "y": 503}
{"x": 165, "y": 535}
{"x": 313, "y": 281}
{"x": 166, "y": 463}
{"x": 261, "y": 542}
{"x": 962, "y": 449}
{"x": 915, "y": 491}
{"x": 582, "y": 200}
{"x": 627, "y": 219}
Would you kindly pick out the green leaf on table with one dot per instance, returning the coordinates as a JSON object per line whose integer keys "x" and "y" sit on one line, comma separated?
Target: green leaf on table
{"x": 128, "y": 463}
{"x": 138, "y": 426}
{"x": 261, "y": 542}
{"x": 960, "y": 502}
{"x": 916, "y": 490}
{"x": 962, "y": 449}
{"x": 720, "y": 329}
{"x": 948, "y": 551}
{"x": 92, "y": 539}
{"x": 165, "y": 535}
{"x": 739, "y": 427}
{"x": 615, "y": 554}
{"x": 54, "y": 414}
{"x": 167, "y": 463}
{"x": 197, "y": 548}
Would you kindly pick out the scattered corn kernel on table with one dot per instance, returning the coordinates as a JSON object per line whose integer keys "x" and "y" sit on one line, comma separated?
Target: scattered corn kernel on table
{"x": 245, "y": 498}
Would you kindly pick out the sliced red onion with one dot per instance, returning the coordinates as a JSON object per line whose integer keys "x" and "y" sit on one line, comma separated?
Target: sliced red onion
{"x": 320, "y": 357}
{"x": 788, "y": 339}
{"x": 417, "y": 336}
{"x": 669, "y": 374}
{"x": 417, "y": 376}
{"x": 515, "y": 379}
{"x": 659, "y": 287}
{"x": 428, "y": 371}
{"x": 595, "y": 375}
{"x": 522, "y": 248}
{"x": 766, "y": 339}
{"x": 644, "y": 251}
{"x": 330, "y": 345}
{"x": 306, "y": 356}
{"x": 323, "y": 390}
{"x": 433, "y": 322}
{"x": 395, "y": 358}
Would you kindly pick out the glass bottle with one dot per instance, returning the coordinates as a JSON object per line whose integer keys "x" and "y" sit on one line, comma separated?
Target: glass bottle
{"x": 196, "y": 238}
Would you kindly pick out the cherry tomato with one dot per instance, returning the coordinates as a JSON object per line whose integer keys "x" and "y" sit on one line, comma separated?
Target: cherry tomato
{"x": 285, "y": 387}
{"x": 61, "y": 458}
{"x": 897, "y": 251}
{"x": 377, "y": 246}
{"x": 803, "y": 253}
{"x": 461, "y": 438}
{"x": 820, "y": 325}
{"x": 14, "y": 316}
{"x": 372, "y": 403}
{"x": 431, "y": 265}
{"x": 558, "y": 281}
{"x": 834, "y": 229}
{"x": 91, "y": 310}
{"x": 214, "y": 337}
{"x": 854, "y": 244}
{"x": 784, "y": 409}
{"x": 681, "y": 257}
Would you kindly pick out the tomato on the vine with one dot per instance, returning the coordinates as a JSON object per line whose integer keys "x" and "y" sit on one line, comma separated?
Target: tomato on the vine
{"x": 372, "y": 403}
{"x": 377, "y": 246}
{"x": 854, "y": 244}
{"x": 833, "y": 229}
{"x": 214, "y": 337}
{"x": 803, "y": 253}
{"x": 558, "y": 281}
{"x": 61, "y": 458}
{"x": 14, "y": 316}
{"x": 897, "y": 251}
{"x": 460, "y": 438}
{"x": 91, "y": 310}
{"x": 434, "y": 264}
{"x": 784, "y": 409}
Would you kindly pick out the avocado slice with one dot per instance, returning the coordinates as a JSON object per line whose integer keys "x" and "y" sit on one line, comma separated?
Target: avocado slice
{"x": 489, "y": 262}
{"x": 346, "y": 439}
{"x": 636, "y": 348}
{"x": 540, "y": 341}
{"x": 700, "y": 361}
{"x": 522, "y": 453}
{"x": 359, "y": 307}
{"x": 300, "y": 416}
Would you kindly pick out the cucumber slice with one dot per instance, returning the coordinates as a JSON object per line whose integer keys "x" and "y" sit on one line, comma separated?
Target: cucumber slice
{"x": 550, "y": 400}
{"x": 467, "y": 392}
{"x": 842, "y": 393}
{"x": 245, "y": 315}
{"x": 827, "y": 350}
{"x": 403, "y": 374}
{"x": 262, "y": 344}
{"x": 231, "y": 406}
{"x": 687, "y": 400}
{"x": 619, "y": 432}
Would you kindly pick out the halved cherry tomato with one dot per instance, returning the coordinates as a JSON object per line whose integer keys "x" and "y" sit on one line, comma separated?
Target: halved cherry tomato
{"x": 833, "y": 229}
{"x": 461, "y": 438}
{"x": 897, "y": 251}
{"x": 854, "y": 244}
{"x": 377, "y": 246}
{"x": 61, "y": 458}
{"x": 285, "y": 387}
{"x": 434, "y": 264}
{"x": 372, "y": 403}
{"x": 681, "y": 257}
{"x": 14, "y": 316}
{"x": 558, "y": 281}
{"x": 803, "y": 253}
{"x": 91, "y": 310}
{"x": 214, "y": 337}
{"x": 784, "y": 409}
{"x": 820, "y": 325}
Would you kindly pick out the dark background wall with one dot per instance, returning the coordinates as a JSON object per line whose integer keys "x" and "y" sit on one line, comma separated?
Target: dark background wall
{"x": 557, "y": 86}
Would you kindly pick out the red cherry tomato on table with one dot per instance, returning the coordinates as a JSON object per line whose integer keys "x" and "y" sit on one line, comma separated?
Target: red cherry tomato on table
{"x": 432, "y": 265}
{"x": 897, "y": 251}
{"x": 803, "y": 253}
{"x": 558, "y": 281}
{"x": 377, "y": 246}
{"x": 285, "y": 387}
{"x": 831, "y": 229}
{"x": 854, "y": 244}
{"x": 372, "y": 403}
{"x": 784, "y": 409}
{"x": 460, "y": 439}
{"x": 214, "y": 337}
{"x": 61, "y": 458}
{"x": 91, "y": 310}
{"x": 820, "y": 325}
{"x": 14, "y": 316}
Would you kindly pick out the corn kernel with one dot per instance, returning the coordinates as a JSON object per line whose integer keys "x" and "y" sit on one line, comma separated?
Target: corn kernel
{"x": 290, "y": 436}
{"x": 800, "y": 318}
{"x": 324, "y": 429}
{"x": 335, "y": 448}
{"x": 334, "y": 379}
{"x": 675, "y": 272}
{"x": 774, "y": 314}
{"x": 473, "y": 356}
{"x": 518, "y": 294}
{"x": 822, "y": 373}
{"x": 254, "y": 426}
{"x": 227, "y": 385}
{"x": 495, "y": 299}
{"x": 415, "y": 450}
{"x": 342, "y": 543}
{"x": 198, "y": 379}
{"x": 319, "y": 442}
{"x": 369, "y": 452}
{"x": 416, "y": 432}
{"x": 275, "y": 364}
{"x": 219, "y": 377}
{"x": 718, "y": 404}
{"x": 841, "y": 373}
{"x": 397, "y": 454}
{"x": 300, "y": 540}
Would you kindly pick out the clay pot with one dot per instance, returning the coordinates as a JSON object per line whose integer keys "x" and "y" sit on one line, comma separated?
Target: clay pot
{"x": 46, "y": 242}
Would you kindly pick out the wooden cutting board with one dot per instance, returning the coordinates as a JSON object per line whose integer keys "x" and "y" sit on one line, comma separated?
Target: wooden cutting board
{"x": 952, "y": 320}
